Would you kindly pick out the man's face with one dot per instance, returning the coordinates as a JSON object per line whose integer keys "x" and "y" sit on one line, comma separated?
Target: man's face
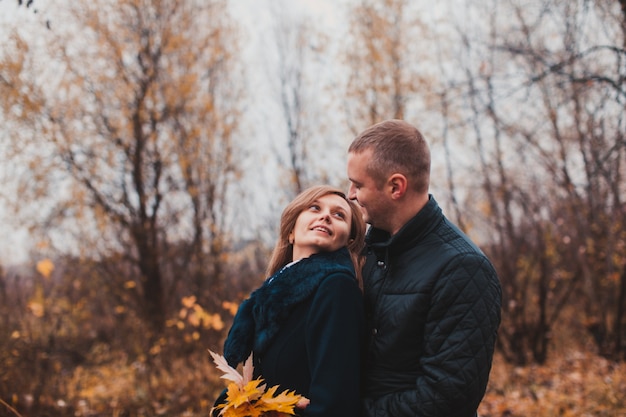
{"x": 364, "y": 190}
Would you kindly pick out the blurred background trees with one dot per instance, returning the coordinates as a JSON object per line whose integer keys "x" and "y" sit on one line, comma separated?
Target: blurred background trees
{"x": 547, "y": 104}
{"x": 122, "y": 129}
{"x": 137, "y": 145}
{"x": 386, "y": 54}
{"x": 136, "y": 119}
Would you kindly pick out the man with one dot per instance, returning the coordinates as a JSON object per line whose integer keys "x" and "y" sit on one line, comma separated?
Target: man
{"x": 432, "y": 298}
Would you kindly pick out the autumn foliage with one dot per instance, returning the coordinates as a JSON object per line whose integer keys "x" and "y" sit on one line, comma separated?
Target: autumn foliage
{"x": 573, "y": 384}
{"x": 69, "y": 348}
{"x": 66, "y": 351}
{"x": 122, "y": 149}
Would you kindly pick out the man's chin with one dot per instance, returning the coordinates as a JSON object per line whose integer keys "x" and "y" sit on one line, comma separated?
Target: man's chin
{"x": 364, "y": 216}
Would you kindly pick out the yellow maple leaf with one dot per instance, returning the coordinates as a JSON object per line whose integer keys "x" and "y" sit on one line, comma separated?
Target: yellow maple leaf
{"x": 239, "y": 403}
{"x": 252, "y": 391}
{"x": 283, "y": 402}
{"x": 246, "y": 410}
{"x": 246, "y": 397}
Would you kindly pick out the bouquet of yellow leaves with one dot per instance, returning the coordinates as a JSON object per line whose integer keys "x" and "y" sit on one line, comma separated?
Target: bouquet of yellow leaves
{"x": 247, "y": 397}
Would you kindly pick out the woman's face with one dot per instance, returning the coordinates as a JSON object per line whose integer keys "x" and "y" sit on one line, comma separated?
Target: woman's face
{"x": 324, "y": 226}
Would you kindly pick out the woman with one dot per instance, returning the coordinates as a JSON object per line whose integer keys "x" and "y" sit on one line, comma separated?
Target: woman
{"x": 305, "y": 324}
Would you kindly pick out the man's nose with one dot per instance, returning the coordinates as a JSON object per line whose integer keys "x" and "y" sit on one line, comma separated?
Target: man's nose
{"x": 352, "y": 192}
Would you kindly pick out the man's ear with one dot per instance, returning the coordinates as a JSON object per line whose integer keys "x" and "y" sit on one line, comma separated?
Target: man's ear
{"x": 398, "y": 185}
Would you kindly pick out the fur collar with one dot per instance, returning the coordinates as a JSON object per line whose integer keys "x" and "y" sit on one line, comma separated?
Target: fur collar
{"x": 260, "y": 317}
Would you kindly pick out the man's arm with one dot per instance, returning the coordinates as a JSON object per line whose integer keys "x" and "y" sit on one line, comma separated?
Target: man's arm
{"x": 459, "y": 341}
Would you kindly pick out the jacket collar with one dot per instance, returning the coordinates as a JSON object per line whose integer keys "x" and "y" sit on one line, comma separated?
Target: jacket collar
{"x": 417, "y": 227}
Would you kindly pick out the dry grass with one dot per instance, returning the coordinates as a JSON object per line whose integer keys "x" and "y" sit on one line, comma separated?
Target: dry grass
{"x": 572, "y": 384}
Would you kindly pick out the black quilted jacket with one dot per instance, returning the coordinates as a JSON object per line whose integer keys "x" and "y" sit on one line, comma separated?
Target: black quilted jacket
{"x": 433, "y": 309}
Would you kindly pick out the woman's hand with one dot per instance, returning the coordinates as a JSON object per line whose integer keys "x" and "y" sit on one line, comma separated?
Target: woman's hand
{"x": 303, "y": 403}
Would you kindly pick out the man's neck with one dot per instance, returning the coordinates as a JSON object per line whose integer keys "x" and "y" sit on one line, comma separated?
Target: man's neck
{"x": 407, "y": 208}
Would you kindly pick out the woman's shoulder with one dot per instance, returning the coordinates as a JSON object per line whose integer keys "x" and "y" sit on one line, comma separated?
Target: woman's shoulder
{"x": 338, "y": 283}
{"x": 338, "y": 298}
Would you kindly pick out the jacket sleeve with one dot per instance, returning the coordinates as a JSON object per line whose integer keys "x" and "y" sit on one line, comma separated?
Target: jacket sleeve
{"x": 460, "y": 334}
{"x": 334, "y": 335}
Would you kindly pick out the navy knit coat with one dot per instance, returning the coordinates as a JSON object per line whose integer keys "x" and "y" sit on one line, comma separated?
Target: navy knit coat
{"x": 305, "y": 326}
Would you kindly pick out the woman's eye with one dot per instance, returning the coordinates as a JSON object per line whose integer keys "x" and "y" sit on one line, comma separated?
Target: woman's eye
{"x": 314, "y": 207}
{"x": 340, "y": 215}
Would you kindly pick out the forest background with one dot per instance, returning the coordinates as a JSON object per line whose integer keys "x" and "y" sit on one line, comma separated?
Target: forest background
{"x": 148, "y": 147}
